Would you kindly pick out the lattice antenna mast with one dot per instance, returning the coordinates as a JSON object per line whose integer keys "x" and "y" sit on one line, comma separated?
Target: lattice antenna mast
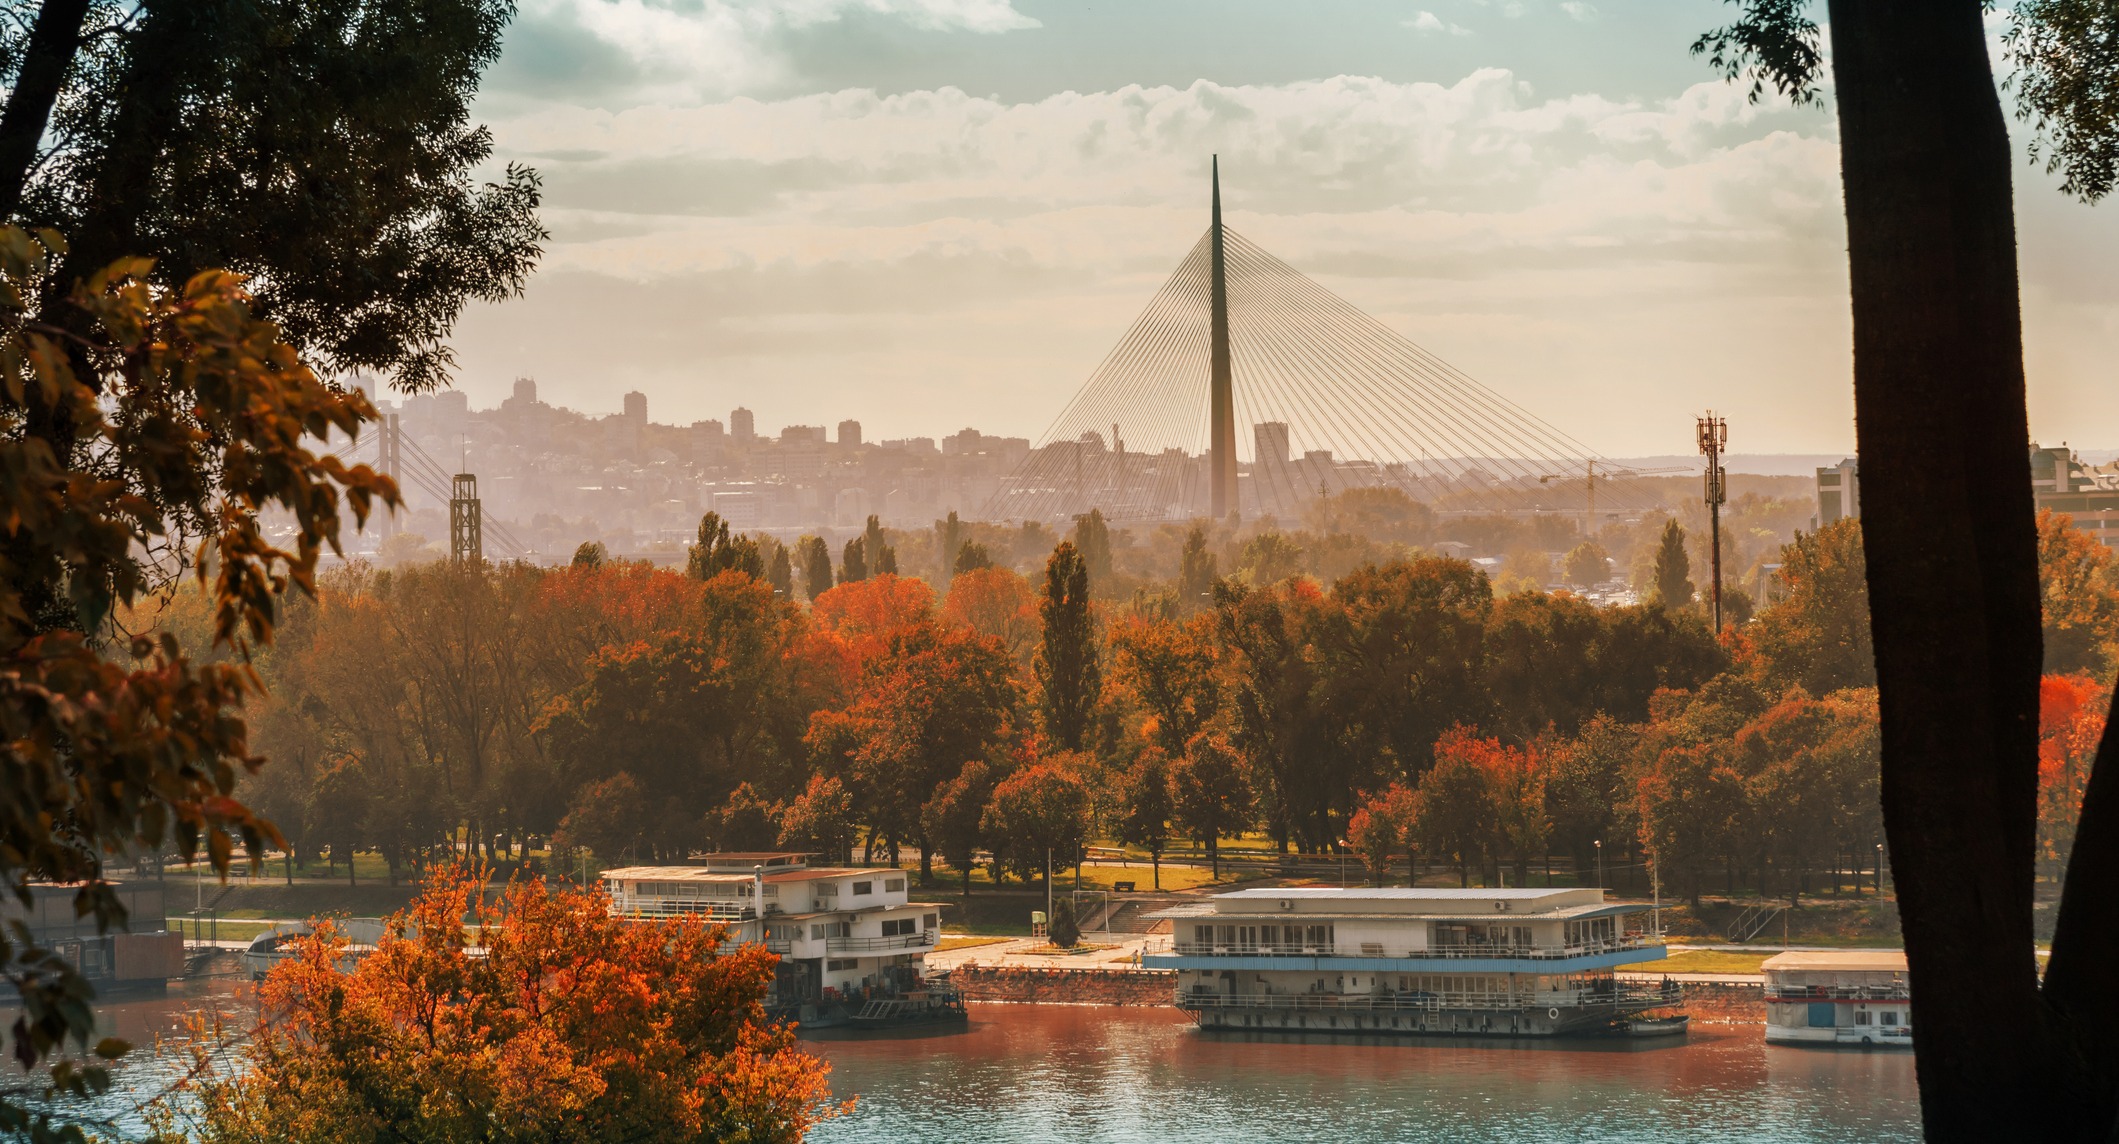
{"x": 467, "y": 540}
{"x": 1714, "y": 438}
{"x": 1221, "y": 398}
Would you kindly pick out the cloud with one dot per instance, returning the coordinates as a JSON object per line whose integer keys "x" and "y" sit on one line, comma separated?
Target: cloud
{"x": 1427, "y": 22}
{"x": 1578, "y": 10}
{"x": 711, "y": 48}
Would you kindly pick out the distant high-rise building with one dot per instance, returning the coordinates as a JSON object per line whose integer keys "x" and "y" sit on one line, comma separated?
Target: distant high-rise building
{"x": 850, "y": 434}
{"x": 1270, "y": 439}
{"x": 1838, "y": 492}
{"x": 636, "y": 408}
{"x": 802, "y": 435}
{"x": 526, "y": 390}
{"x": 742, "y": 426}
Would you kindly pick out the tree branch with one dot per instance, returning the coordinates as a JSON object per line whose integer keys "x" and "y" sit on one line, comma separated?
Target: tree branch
{"x": 53, "y": 42}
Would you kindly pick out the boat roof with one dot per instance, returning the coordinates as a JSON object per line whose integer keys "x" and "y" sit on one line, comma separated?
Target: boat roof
{"x": 1839, "y": 960}
{"x": 704, "y": 874}
{"x": 1563, "y": 913}
{"x": 1402, "y": 893}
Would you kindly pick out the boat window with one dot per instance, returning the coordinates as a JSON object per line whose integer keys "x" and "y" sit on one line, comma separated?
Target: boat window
{"x": 896, "y": 927}
{"x": 1861, "y": 1016}
{"x": 860, "y": 888}
{"x": 816, "y": 933}
{"x": 893, "y": 885}
{"x": 1890, "y": 1017}
{"x": 928, "y": 921}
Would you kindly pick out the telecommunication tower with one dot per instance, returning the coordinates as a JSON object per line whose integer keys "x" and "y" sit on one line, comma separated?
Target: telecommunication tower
{"x": 467, "y": 543}
{"x": 1714, "y": 438}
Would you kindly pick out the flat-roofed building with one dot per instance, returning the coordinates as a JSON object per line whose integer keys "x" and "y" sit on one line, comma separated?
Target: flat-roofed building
{"x": 1858, "y": 997}
{"x": 844, "y": 934}
{"x": 1506, "y": 962}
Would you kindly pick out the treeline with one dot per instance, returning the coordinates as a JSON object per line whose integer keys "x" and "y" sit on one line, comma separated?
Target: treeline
{"x": 1405, "y": 710}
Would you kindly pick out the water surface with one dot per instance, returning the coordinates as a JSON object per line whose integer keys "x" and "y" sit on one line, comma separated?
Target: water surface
{"x": 1093, "y": 1075}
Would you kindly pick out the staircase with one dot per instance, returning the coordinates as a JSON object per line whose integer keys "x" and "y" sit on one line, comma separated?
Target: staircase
{"x": 1754, "y": 921}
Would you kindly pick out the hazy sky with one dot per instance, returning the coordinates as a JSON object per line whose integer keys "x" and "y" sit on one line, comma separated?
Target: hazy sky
{"x": 927, "y": 214}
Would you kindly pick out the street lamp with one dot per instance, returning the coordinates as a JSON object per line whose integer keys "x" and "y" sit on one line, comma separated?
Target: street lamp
{"x": 1600, "y": 863}
{"x": 1879, "y": 869}
{"x": 1342, "y": 863}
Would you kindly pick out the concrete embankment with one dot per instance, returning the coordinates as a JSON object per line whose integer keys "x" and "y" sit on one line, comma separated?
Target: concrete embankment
{"x": 1048, "y": 986}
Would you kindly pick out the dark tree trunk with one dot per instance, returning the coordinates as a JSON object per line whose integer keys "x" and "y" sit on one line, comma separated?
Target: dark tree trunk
{"x": 926, "y": 861}
{"x": 1951, "y": 545}
{"x": 46, "y": 58}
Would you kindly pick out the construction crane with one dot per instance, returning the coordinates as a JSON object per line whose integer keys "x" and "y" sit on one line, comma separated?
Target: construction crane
{"x": 1595, "y": 471}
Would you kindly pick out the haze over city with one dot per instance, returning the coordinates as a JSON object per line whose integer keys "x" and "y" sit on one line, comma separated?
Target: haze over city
{"x": 925, "y": 214}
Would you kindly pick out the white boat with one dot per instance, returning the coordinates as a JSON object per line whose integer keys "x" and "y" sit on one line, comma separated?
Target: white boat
{"x": 277, "y": 944}
{"x": 1508, "y": 962}
{"x": 1858, "y": 998}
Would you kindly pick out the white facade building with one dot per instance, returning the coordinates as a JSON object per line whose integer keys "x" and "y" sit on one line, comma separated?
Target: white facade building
{"x": 843, "y": 934}
{"x": 1507, "y": 962}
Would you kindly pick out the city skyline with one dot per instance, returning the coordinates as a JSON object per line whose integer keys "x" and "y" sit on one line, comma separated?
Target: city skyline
{"x": 916, "y": 213}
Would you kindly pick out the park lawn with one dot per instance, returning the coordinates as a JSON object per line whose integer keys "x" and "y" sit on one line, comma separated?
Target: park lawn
{"x": 966, "y": 941}
{"x": 1703, "y": 961}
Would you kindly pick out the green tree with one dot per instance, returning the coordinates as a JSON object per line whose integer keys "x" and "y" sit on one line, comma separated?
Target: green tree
{"x": 780, "y": 573}
{"x": 338, "y": 810}
{"x": 954, "y": 818}
{"x": 607, "y": 818}
{"x": 1063, "y": 930}
{"x": 1209, "y": 798}
{"x": 1269, "y": 558}
{"x": 853, "y": 561}
{"x": 1672, "y": 577}
{"x": 1816, "y": 636}
{"x": 590, "y": 554}
{"x": 970, "y": 557}
{"x": 815, "y": 558}
{"x": 746, "y": 822}
{"x": 1146, "y": 809}
{"x": 949, "y": 540}
{"x": 876, "y": 552}
{"x": 256, "y": 138}
{"x": 1587, "y": 564}
{"x": 1092, "y": 538}
{"x": 1070, "y": 680}
{"x": 821, "y": 820}
{"x": 1196, "y": 571}
{"x": 719, "y": 551}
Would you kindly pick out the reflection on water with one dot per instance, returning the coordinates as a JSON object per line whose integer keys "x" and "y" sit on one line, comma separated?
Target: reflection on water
{"x": 1083, "y": 1075}
{"x": 1093, "y": 1075}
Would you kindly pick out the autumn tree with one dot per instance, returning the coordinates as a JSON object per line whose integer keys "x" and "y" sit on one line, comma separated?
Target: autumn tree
{"x": 1687, "y": 803}
{"x": 1169, "y": 669}
{"x": 1401, "y": 657}
{"x": 995, "y": 602}
{"x": 1039, "y": 814}
{"x": 550, "y": 1015}
{"x": 1069, "y": 677}
{"x": 2078, "y": 582}
{"x": 746, "y": 822}
{"x": 338, "y": 810}
{"x": 1385, "y": 827}
{"x": 1295, "y": 764}
{"x": 2071, "y": 715}
{"x": 192, "y": 420}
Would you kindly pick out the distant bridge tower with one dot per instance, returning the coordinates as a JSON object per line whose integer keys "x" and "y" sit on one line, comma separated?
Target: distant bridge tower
{"x": 467, "y": 542}
{"x": 1221, "y": 400}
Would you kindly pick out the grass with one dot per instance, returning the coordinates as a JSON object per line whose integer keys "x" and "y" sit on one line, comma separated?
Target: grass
{"x": 1702, "y": 961}
{"x": 965, "y": 941}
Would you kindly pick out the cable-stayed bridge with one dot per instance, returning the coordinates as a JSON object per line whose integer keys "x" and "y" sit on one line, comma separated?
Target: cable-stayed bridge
{"x": 1327, "y": 398}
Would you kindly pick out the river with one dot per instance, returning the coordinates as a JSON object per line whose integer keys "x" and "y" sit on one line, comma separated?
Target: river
{"x": 1028, "y": 1074}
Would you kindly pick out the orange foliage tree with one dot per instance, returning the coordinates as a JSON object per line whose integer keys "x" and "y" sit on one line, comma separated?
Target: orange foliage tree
{"x": 868, "y": 613}
{"x": 1382, "y": 829}
{"x": 553, "y": 1021}
{"x": 995, "y": 602}
{"x": 2071, "y": 715}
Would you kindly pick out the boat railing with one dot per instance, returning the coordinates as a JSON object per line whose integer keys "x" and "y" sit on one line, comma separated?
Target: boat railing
{"x": 920, "y": 940}
{"x": 1435, "y": 952}
{"x": 1414, "y": 1001}
{"x": 1784, "y": 992}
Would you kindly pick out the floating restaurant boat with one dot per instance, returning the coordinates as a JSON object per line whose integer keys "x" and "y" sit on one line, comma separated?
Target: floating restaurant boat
{"x": 847, "y": 937}
{"x": 278, "y": 943}
{"x": 1515, "y": 962}
{"x": 1857, "y": 997}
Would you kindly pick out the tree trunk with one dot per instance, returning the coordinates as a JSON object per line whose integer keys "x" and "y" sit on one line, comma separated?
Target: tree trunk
{"x": 926, "y": 862}
{"x": 46, "y": 58}
{"x": 1951, "y": 546}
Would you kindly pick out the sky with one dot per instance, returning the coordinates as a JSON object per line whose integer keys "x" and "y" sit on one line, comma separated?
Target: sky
{"x": 931, "y": 214}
